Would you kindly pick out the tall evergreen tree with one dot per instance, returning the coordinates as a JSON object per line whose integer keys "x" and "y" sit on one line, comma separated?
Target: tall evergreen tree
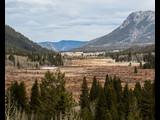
{"x": 118, "y": 88}
{"x": 135, "y": 70}
{"x": 54, "y": 100}
{"x": 14, "y": 90}
{"x": 84, "y": 97}
{"x": 86, "y": 114}
{"x": 35, "y": 96}
{"x": 126, "y": 99}
{"x": 138, "y": 92}
{"x": 121, "y": 110}
{"x": 134, "y": 111}
{"x": 114, "y": 113}
{"x": 23, "y": 100}
{"x": 147, "y": 101}
{"x": 101, "y": 107}
{"x": 107, "y": 115}
{"x": 94, "y": 89}
{"x": 110, "y": 95}
{"x": 107, "y": 81}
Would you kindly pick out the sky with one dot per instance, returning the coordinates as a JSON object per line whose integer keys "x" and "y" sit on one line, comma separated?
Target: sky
{"x": 83, "y": 20}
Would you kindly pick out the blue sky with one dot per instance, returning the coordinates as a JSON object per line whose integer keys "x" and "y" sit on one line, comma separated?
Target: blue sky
{"x": 55, "y": 20}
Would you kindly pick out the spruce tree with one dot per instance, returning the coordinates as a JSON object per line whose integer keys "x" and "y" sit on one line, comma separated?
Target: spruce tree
{"x": 35, "y": 96}
{"x": 138, "y": 92}
{"x": 94, "y": 89}
{"x": 134, "y": 111}
{"x": 86, "y": 114}
{"x": 118, "y": 88}
{"x": 107, "y": 115}
{"x": 114, "y": 113}
{"x": 84, "y": 97}
{"x": 18, "y": 64}
{"x": 14, "y": 90}
{"x": 135, "y": 70}
{"x": 101, "y": 107}
{"x": 23, "y": 100}
{"x": 140, "y": 65}
{"x": 121, "y": 110}
{"x": 54, "y": 100}
{"x": 110, "y": 95}
{"x": 147, "y": 104}
{"x": 126, "y": 99}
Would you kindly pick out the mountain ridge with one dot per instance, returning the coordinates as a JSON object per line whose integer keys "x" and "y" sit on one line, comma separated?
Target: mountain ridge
{"x": 62, "y": 45}
{"x": 18, "y": 42}
{"x": 137, "y": 29}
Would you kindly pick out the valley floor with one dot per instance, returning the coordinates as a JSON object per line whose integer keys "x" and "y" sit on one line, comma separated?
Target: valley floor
{"x": 86, "y": 67}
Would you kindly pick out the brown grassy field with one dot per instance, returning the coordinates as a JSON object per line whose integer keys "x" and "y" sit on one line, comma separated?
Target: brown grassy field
{"x": 86, "y": 67}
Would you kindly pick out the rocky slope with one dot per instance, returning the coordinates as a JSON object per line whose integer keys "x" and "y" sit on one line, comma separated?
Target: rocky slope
{"x": 137, "y": 29}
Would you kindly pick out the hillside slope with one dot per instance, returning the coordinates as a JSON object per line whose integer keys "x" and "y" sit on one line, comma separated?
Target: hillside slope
{"x": 18, "y": 42}
{"x": 137, "y": 29}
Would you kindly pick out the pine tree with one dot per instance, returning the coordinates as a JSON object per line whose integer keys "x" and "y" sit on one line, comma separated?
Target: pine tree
{"x": 94, "y": 89}
{"x": 129, "y": 56}
{"x": 14, "y": 90}
{"x": 140, "y": 65}
{"x": 54, "y": 100}
{"x": 11, "y": 58}
{"x": 121, "y": 110}
{"x": 35, "y": 96}
{"x": 110, "y": 95}
{"x": 147, "y": 104}
{"x": 107, "y": 115}
{"x": 86, "y": 114}
{"x": 84, "y": 97}
{"x": 118, "y": 88}
{"x": 99, "y": 89}
{"x": 138, "y": 92}
{"x": 126, "y": 99}
{"x": 18, "y": 64}
{"x": 107, "y": 81}
{"x": 114, "y": 113}
{"x": 135, "y": 70}
{"x": 23, "y": 100}
{"x": 101, "y": 106}
{"x": 134, "y": 111}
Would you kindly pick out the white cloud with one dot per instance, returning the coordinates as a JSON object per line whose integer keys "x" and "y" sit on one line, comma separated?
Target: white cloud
{"x": 54, "y": 20}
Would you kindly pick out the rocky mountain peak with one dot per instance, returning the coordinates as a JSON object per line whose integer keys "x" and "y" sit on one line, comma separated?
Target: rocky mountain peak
{"x": 138, "y": 17}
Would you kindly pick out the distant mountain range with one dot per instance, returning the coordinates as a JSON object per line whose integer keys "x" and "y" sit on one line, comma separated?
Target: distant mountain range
{"x": 63, "y": 45}
{"x": 18, "y": 42}
{"x": 137, "y": 29}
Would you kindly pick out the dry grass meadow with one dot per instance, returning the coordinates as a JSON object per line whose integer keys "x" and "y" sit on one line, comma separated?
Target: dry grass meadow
{"x": 87, "y": 67}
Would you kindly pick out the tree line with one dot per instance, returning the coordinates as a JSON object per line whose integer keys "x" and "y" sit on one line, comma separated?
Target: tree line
{"x": 112, "y": 102}
{"x": 50, "y": 100}
{"x": 50, "y": 58}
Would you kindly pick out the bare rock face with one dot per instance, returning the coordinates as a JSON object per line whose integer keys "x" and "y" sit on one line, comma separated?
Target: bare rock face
{"x": 49, "y": 46}
{"x": 137, "y": 29}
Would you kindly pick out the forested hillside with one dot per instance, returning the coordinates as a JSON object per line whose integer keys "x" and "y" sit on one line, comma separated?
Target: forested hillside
{"x": 18, "y": 44}
{"x": 16, "y": 41}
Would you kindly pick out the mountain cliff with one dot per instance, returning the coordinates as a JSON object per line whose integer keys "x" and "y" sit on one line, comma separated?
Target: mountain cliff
{"x": 137, "y": 29}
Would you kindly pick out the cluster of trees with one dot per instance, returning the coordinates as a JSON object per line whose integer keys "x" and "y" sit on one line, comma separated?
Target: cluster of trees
{"x": 150, "y": 61}
{"x": 49, "y": 100}
{"x": 50, "y": 58}
{"x": 120, "y": 58}
{"x": 111, "y": 102}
